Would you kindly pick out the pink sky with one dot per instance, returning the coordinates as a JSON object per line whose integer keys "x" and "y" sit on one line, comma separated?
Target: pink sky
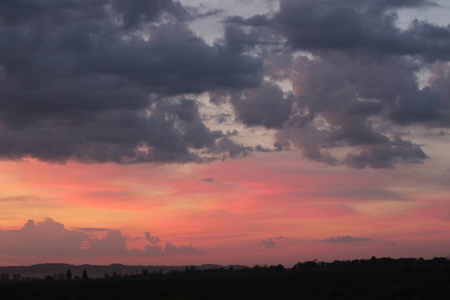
{"x": 227, "y": 209}
{"x": 223, "y": 132}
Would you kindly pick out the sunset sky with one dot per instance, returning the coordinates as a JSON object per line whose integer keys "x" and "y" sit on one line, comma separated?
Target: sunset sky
{"x": 247, "y": 132}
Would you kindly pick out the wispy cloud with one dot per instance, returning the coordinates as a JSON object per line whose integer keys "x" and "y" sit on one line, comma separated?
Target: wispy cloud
{"x": 343, "y": 239}
{"x": 91, "y": 229}
{"x": 210, "y": 180}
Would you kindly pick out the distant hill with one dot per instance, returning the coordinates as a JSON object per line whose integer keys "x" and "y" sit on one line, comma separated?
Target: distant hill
{"x": 98, "y": 271}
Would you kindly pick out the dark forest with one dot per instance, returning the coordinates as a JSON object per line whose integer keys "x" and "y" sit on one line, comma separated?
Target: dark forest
{"x": 375, "y": 278}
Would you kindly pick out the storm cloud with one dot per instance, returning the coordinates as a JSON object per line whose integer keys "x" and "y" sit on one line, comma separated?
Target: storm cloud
{"x": 354, "y": 76}
{"x": 98, "y": 81}
{"x": 119, "y": 81}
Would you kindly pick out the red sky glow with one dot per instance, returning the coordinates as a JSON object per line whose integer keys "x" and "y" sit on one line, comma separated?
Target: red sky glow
{"x": 223, "y": 132}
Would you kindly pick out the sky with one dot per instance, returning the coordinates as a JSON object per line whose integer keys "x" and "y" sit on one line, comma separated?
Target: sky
{"x": 244, "y": 132}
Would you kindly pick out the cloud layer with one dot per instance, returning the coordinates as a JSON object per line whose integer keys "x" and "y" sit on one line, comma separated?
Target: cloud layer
{"x": 51, "y": 239}
{"x": 95, "y": 81}
{"x": 354, "y": 76}
{"x": 117, "y": 81}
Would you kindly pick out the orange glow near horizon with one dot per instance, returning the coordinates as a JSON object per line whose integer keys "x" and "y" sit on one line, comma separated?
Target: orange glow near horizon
{"x": 229, "y": 208}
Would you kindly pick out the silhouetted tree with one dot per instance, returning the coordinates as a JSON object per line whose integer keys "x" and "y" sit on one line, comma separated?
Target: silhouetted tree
{"x": 373, "y": 260}
{"x": 4, "y": 277}
{"x": 16, "y": 277}
{"x": 257, "y": 268}
{"x": 69, "y": 274}
{"x": 49, "y": 278}
{"x": 309, "y": 265}
{"x": 59, "y": 276}
{"x": 85, "y": 276}
{"x": 190, "y": 269}
{"x": 278, "y": 268}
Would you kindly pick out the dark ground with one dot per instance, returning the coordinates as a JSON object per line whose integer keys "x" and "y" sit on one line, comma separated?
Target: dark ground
{"x": 383, "y": 278}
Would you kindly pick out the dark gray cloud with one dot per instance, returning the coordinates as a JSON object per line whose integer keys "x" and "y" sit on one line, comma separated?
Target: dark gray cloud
{"x": 386, "y": 155}
{"x": 343, "y": 239}
{"x": 255, "y": 21}
{"x": 360, "y": 26}
{"x": 266, "y": 106}
{"x": 97, "y": 81}
{"x": 354, "y": 72}
{"x": 197, "y": 14}
{"x": 228, "y": 148}
{"x": 134, "y": 13}
{"x": 51, "y": 239}
{"x": 237, "y": 39}
{"x": 116, "y": 81}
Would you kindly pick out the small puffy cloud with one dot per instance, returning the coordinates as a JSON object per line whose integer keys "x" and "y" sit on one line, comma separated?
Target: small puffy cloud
{"x": 230, "y": 149}
{"x": 210, "y": 180}
{"x": 268, "y": 244}
{"x": 266, "y": 106}
{"x": 343, "y": 239}
{"x": 390, "y": 243}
